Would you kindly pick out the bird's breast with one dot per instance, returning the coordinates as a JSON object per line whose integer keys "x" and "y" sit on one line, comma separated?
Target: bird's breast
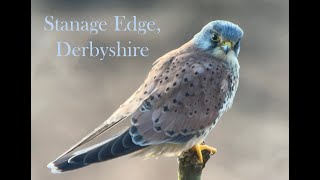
{"x": 220, "y": 85}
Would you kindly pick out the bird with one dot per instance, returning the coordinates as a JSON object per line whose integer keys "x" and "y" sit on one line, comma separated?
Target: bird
{"x": 181, "y": 100}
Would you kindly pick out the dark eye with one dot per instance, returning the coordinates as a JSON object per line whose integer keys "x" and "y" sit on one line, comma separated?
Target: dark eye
{"x": 215, "y": 37}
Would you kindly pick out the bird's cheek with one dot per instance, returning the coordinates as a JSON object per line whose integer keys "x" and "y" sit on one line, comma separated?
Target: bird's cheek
{"x": 219, "y": 53}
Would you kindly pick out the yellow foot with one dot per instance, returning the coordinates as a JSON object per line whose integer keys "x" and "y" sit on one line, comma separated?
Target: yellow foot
{"x": 199, "y": 147}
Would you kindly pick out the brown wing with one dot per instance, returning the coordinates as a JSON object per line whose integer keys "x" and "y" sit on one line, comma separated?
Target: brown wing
{"x": 187, "y": 100}
{"x": 131, "y": 104}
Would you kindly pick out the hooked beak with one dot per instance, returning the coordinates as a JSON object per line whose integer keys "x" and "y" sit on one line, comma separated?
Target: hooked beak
{"x": 226, "y": 46}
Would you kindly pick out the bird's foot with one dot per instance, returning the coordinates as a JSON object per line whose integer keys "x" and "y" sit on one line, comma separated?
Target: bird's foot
{"x": 199, "y": 147}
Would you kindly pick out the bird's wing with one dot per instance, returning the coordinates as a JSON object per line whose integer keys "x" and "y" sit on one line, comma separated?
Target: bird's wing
{"x": 131, "y": 104}
{"x": 187, "y": 100}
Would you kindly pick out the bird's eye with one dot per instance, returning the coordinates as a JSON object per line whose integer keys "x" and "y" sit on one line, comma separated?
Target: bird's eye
{"x": 215, "y": 37}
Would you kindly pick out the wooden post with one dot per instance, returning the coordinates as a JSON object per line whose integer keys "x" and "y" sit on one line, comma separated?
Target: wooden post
{"x": 189, "y": 166}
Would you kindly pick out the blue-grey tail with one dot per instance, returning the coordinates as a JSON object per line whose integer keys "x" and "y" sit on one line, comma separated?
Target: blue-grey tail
{"x": 116, "y": 147}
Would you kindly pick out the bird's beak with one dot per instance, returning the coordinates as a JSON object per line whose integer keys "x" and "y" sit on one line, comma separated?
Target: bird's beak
{"x": 226, "y": 46}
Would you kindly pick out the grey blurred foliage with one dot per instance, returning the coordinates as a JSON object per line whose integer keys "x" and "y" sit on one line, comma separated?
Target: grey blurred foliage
{"x": 71, "y": 96}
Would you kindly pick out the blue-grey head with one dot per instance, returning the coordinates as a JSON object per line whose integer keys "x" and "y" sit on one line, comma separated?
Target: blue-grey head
{"x": 219, "y": 38}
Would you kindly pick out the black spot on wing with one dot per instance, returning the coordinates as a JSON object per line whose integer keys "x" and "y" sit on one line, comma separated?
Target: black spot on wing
{"x": 170, "y": 133}
{"x": 134, "y": 120}
{"x": 157, "y": 128}
{"x": 133, "y": 130}
{"x": 137, "y": 139}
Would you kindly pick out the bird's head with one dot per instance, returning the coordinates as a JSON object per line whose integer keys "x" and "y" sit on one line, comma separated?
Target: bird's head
{"x": 220, "y": 39}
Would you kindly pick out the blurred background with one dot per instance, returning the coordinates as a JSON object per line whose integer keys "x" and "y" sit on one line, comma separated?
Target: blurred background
{"x": 72, "y": 95}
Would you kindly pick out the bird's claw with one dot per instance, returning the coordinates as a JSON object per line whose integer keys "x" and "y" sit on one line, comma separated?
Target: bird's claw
{"x": 198, "y": 149}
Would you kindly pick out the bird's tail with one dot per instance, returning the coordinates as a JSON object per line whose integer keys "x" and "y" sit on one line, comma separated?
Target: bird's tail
{"x": 110, "y": 149}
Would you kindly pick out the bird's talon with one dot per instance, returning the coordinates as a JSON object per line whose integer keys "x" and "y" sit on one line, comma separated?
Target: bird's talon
{"x": 198, "y": 149}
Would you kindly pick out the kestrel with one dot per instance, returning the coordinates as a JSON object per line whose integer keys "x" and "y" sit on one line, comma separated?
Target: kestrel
{"x": 179, "y": 103}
